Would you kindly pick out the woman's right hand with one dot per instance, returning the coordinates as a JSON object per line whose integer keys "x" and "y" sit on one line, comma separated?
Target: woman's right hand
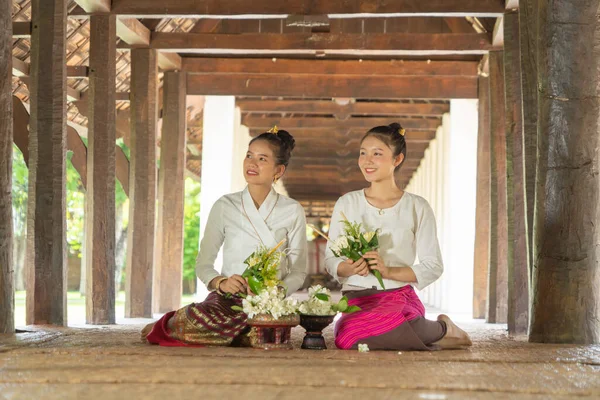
{"x": 234, "y": 284}
{"x": 348, "y": 268}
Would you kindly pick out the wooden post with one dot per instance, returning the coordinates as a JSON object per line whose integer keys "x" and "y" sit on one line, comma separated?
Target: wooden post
{"x": 100, "y": 196}
{"x": 142, "y": 181}
{"x": 168, "y": 273}
{"x": 518, "y": 268}
{"x": 7, "y": 294}
{"x": 498, "y": 267}
{"x": 566, "y": 275}
{"x": 46, "y": 222}
{"x": 482, "y": 230}
{"x": 528, "y": 34}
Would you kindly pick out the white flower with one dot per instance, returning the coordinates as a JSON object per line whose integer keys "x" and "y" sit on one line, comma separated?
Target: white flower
{"x": 253, "y": 261}
{"x": 270, "y": 301}
{"x": 369, "y": 235}
{"x": 314, "y": 305}
{"x": 363, "y": 348}
{"x": 340, "y": 243}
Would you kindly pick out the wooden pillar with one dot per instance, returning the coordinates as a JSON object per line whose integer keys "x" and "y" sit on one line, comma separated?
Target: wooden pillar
{"x": 46, "y": 222}
{"x": 168, "y": 273}
{"x": 566, "y": 278}
{"x": 498, "y": 266}
{"x": 482, "y": 212}
{"x": 7, "y": 294}
{"x": 142, "y": 184}
{"x": 518, "y": 268}
{"x": 529, "y": 37}
{"x": 100, "y": 196}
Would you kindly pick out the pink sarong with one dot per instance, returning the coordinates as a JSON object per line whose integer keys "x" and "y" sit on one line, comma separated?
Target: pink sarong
{"x": 380, "y": 313}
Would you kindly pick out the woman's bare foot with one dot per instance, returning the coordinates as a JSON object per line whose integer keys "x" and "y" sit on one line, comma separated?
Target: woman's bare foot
{"x": 146, "y": 331}
{"x": 455, "y": 338}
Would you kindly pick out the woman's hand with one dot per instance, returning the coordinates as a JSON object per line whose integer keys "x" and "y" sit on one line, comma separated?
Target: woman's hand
{"x": 234, "y": 284}
{"x": 348, "y": 268}
{"x": 376, "y": 262}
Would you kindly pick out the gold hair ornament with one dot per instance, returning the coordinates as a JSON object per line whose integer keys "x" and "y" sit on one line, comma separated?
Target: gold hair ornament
{"x": 273, "y": 130}
{"x": 402, "y": 131}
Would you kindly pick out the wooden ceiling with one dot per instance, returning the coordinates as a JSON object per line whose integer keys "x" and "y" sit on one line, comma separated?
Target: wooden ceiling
{"x": 325, "y": 70}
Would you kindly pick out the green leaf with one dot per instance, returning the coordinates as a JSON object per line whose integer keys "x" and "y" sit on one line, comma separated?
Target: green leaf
{"x": 343, "y": 304}
{"x": 237, "y": 308}
{"x": 322, "y": 296}
{"x": 352, "y": 309}
{"x": 255, "y": 285}
{"x": 379, "y": 277}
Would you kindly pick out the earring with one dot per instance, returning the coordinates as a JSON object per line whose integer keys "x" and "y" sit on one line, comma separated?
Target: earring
{"x": 275, "y": 179}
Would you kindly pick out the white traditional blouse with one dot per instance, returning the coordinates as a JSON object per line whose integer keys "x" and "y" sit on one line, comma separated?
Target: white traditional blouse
{"x": 407, "y": 230}
{"x": 241, "y": 232}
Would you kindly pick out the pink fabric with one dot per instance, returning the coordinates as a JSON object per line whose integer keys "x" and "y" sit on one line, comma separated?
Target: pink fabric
{"x": 380, "y": 313}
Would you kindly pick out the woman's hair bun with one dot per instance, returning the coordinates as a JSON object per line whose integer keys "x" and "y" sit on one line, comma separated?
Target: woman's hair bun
{"x": 396, "y": 127}
{"x": 287, "y": 139}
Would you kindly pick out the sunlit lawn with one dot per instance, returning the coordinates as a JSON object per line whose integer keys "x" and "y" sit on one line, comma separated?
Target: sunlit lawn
{"x": 76, "y": 307}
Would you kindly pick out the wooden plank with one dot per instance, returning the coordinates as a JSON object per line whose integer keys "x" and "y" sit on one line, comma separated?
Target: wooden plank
{"x": 565, "y": 275}
{"x": 348, "y": 8}
{"x": 324, "y": 86}
{"x": 353, "y": 136}
{"x": 79, "y": 157}
{"x": 498, "y": 268}
{"x": 482, "y": 212}
{"x": 518, "y": 267}
{"x": 323, "y": 107}
{"x": 22, "y": 69}
{"x": 46, "y": 222}
{"x": 169, "y": 61}
{"x": 528, "y": 31}
{"x": 168, "y": 274}
{"x": 7, "y": 291}
{"x": 100, "y": 199}
{"x": 21, "y": 30}
{"x": 266, "y": 123}
{"x": 389, "y": 44}
{"x": 142, "y": 190}
{"x": 133, "y": 32}
{"x": 330, "y": 67}
{"x": 94, "y": 6}
{"x": 19, "y": 68}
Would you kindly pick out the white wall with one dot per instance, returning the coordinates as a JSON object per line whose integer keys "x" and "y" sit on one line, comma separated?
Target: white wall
{"x": 446, "y": 177}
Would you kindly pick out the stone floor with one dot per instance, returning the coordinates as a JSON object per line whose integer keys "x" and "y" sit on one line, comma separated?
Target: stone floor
{"x": 112, "y": 363}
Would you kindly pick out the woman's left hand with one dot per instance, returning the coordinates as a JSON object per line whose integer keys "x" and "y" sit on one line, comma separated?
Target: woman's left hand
{"x": 376, "y": 262}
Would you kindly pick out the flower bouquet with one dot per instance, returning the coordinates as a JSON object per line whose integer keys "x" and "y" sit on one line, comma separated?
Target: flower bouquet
{"x": 355, "y": 242}
{"x": 270, "y": 313}
{"x": 317, "y": 313}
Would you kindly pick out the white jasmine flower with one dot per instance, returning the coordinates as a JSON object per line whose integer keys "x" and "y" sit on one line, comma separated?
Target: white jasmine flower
{"x": 363, "y": 348}
{"x": 253, "y": 261}
{"x": 340, "y": 243}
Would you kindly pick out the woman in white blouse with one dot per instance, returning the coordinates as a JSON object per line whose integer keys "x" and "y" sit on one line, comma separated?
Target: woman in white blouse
{"x": 393, "y": 318}
{"x": 240, "y": 222}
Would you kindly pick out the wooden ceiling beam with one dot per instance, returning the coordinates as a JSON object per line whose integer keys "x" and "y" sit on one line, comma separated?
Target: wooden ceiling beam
{"x": 336, "y": 8}
{"x": 252, "y": 121}
{"x": 330, "y": 67}
{"x": 133, "y": 32}
{"x": 328, "y": 86}
{"x": 331, "y": 43}
{"x": 21, "y": 30}
{"x": 94, "y": 6}
{"x": 308, "y": 135}
{"x": 324, "y": 107}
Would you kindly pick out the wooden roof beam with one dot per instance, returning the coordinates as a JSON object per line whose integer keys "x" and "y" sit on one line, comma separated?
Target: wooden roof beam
{"x": 331, "y": 43}
{"x": 330, "y": 67}
{"x": 328, "y": 86}
{"x": 94, "y": 6}
{"x": 252, "y": 121}
{"x": 21, "y": 29}
{"x": 325, "y": 107}
{"x": 347, "y": 8}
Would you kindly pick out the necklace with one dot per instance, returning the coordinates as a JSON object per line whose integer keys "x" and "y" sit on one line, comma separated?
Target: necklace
{"x": 249, "y": 220}
{"x": 381, "y": 212}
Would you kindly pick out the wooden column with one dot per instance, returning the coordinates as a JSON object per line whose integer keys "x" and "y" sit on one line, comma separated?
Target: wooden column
{"x": 482, "y": 212}
{"x": 46, "y": 223}
{"x": 100, "y": 196}
{"x": 518, "y": 268}
{"x": 529, "y": 37}
{"x": 566, "y": 276}
{"x": 142, "y": 184}
{"x": 168, "y": 273}
{"x": 7, "y": 294}
{"x": 498, "y": 267}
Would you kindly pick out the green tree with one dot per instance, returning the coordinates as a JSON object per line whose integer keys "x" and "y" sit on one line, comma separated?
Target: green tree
{"x": 191, "y": 232}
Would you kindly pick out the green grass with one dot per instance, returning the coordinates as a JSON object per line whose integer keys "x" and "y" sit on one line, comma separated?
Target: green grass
{"x": 76, "y": 307}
